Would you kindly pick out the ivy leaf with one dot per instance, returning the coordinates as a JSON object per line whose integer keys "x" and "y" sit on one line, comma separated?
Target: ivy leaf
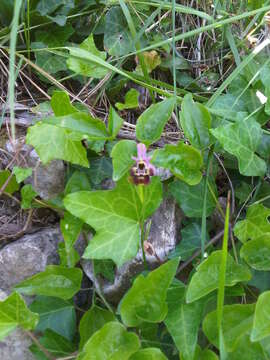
{"x": 82, "y": 124}
{"x": 77, "y": 182}
{"x": 28, "y": 193}
{"x": 148, "y": 354}
{"x": 84, "y": 67}
{"x": 117, "y": 38}
{"x": 112, "y": 341}
{"x": 195, "y": 121}
{"x": 21, "y": 173}
{"x": 131, "y": 100}
{"x": 101, "y": 169}
{"x": 151, "y": 122}
{"x": 241, "y": 140}
{"x": 115, "y": 123}
{"x": 14, "y": 312}
{"x": 146, "y": 300}
{"x": 255, "y": 224}
{"x": 115, "y": 215}
{"x": 12, "y": 185}
{"x": 206, "y": 278}
{"x": 121, "y": 154}
{"x": 55, "y": 314}
{"x": 183, "y": 321}
{"x": 183, "y": 161}
{"x": 51, "y": 142}
{"x": 61, "y": 104}
{"x": 190, "y": 198}
{"x": 237, "y": 322}
{"x": 92, "y": 321}
{"x": 257, "y": 253}
{"x": 261, "y": 325}
{"x": 56, "y": 281}
{"x": 204, "y": 354}
{"x": 247, "y": 350}
{"x": 190, "y": 241}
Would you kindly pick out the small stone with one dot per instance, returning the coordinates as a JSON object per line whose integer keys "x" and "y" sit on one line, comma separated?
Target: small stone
{"x": 28, "y": 256}
{"x": 15, "y": 346}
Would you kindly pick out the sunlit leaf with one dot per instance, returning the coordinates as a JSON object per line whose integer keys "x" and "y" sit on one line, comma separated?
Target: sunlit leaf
{"x": 21, "y": 173}
{"x": 56, "y": 281}
{"x": 183, "y": 161}
{"x": 148, "y": 354}
{"x": 131, "y": 100}
{"x": 121, "y": 154}
{"x": 206, "y": 278}
{"x": 115, "y": 122}
{"x": 146, "y": 300}
{"x": 151, "y": 122}
{"x": 112, "y": 341}
{"x": 241, "y": 140}
{"x": 257, "y": 253}
{"x": 115, "y": 215}
{"x": 261, "y": 325}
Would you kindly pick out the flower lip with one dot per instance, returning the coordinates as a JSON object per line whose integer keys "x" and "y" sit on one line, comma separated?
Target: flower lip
{"x": 143, "y": 169}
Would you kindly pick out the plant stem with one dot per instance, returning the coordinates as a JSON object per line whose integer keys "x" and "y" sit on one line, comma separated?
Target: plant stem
{"x": 39, "y": 345}
{"x": 142, "y": 244}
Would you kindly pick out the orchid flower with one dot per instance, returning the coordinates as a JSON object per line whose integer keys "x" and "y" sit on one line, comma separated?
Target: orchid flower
{"x": 143, "y": 169}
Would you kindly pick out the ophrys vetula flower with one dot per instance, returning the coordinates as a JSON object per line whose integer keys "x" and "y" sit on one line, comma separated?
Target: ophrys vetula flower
{"x": 142, "y": 171}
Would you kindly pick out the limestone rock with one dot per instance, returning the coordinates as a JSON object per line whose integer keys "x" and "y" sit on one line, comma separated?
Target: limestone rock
{"x": 28, "y": 256}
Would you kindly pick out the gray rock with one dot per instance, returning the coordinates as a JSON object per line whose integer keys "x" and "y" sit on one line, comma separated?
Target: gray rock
{"x": 15, "y": 346}
{"x": 48, "y": 180}
{"x": 163, "y": 237}
{"x": 28, "y": 256}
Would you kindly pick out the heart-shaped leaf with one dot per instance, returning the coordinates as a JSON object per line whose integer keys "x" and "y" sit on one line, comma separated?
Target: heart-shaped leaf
{"x": 183, "y": 161}
{"x": 131, "y": 100}
{"x": 112, "y": 341}
{"x": 146, "y": 300}
{"x": 206, "y": 278}
{"x": 115, "y": 215}
{"x": 241, "y": 140}
{"x": 121, "y": 154}
{"x": 114, "y": 123}
{"x": 148, "y": 354}
{"x": 151, "y": 122}
{"x": 261, "y": 325}
{"x": 56, "y": 281}
{"x": 256, "y": 223}
{"x": 195, "y": 121}
{"x": 13, "y": 313}
{"x": 257, "y": 253}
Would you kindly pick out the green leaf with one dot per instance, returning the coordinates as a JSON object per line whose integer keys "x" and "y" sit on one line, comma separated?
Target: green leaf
{"x": 148, "y": 354}
{"x": 257, "y": 253}
{"x": 55, "y": 314}
{"x": 117, "y": 38}
{"x": 247, "y": 350}
{"x": 81, "y": 123}
{"x": 237, "y": 322}
{"x": 146, "y": 300}
{"x": 112, "y": 341}
{"x": 115, "y": 123}
{"x": 101, "y": 169}
{"x": 28, "y": 194}
{"x": 48, "y": 62}
{"x": 195, "y": 121}
{"x": 241, "y": 140}
{"x": 183, "y": 321}
{"x": 151, "y": 122}
{"x": 55, "y": 281}
{"x": 190, "y": 198}
{"x": 206, "y": 278}
{"x": 21, "y": 173}
{"x": 54, "y": 36}
{"x": 255, "y": 225}
{"x": 190, "y": 241}
{"x": 184, "y": 161}
{"x": 121, "y": 154}
{"x": 106, "y": 268}
{"x": 61, "y": 104}
{"x": 77, "y": 182}
{"x": 261, "y": 325}
{"x": 115, "y": 215}
{"x": 92, "y": 321}
{"x": 12, "y": 185}
{"x": 84, "y": 67}
{"x": 51, "y": 142}
{"x": 204, "y": 354}
{"x": 13, "y": 313}
{"x": 56, "y": 344}
{"x": 71, "y": 229}
{"x": 131, "y": 100}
